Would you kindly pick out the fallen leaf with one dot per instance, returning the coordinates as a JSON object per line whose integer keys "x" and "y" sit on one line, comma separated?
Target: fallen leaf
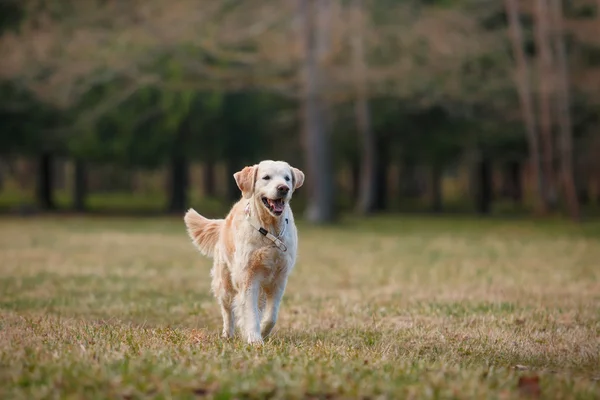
{"x": 530, "y": 386}
{"x": 200, "y": 391}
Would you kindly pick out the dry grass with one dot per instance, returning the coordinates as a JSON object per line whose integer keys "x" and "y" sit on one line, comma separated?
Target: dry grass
{"x": 392, "y": 308}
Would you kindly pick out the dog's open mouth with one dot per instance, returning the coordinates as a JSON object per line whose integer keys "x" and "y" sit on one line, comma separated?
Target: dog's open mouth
{"x": 275, "y": 206}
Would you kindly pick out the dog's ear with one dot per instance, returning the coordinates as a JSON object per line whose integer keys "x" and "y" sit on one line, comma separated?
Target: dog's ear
{"x": 245, "y": 180}
{"x": 298, "y": 177}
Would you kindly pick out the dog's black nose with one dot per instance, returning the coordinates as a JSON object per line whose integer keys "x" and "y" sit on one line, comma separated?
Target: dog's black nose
{"x": 283, "y": 189}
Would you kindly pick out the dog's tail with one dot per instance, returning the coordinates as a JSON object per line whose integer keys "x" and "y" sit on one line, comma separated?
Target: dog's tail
{"x": 204, "y": 232}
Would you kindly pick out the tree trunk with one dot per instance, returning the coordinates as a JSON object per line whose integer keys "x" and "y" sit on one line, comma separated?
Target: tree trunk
{"x": 545, "y": 77}
{"x": 564, "y": 113}
{"x": 526, "y": 101}
{"x": 368, "y": 165}
{"x": 583, "y": 193}
{"x": 408, "y": 185}
{"x": 516, "y": 185}
{"x": 209, "y": 184}
{"x": 484, "y": 186}
{"x": 436, "y": 188}
{"x": 179, "y": 171}
{"x": 414, "y": 180}
{"x": 45, "y": 182}
{"x": 80, "y": 185}
{"x": 320, "y": 207}
{"x": 179, "y": 184}
{"x": 381, "y": 193}
{"x": 597, "y": 179}
{"x": 59, "y": 168}
{"x": 2, "y": 174}
{"x": 232, "y": 191}
{"x": 355, "y": 172}
{"x": 381, "y": 175}
{"x": 511, "y": 182}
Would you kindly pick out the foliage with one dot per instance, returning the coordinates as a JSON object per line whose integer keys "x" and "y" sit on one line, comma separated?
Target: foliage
{"x": 28, "y": 126}
{"x": 137, "y": 84}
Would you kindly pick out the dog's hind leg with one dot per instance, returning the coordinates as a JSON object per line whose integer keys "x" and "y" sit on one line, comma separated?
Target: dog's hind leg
{"x": 226, "y": 304}
{"x": 223, "y": 290}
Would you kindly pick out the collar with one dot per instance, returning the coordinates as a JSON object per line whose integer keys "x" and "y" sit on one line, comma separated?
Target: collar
{"x": 275, "y": 239}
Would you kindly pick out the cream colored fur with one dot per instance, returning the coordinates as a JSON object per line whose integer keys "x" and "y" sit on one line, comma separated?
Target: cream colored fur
{"x": 250, "y": 273}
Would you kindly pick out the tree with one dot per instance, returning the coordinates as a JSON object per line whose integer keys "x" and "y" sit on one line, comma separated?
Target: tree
{"x": 437, "y": 138}
{"x": 219, "y": 46}
{"x": 80, "y": 185}
{"x": 179, "y": 171}
{"x": 244, "y": 125}
{"x": 545, "y": 77}
{"x": 512, "y": 186}
{"x": 320, "y": 208}
{"x": 45, "y": 182}
{"x": 484, "y": 189}
{"x": 32, "y": 128}
{"x": 526, "y": 101}
{"x": 564, "y": 113}
{"x": 368, "y": 162}
{"x": 129, "y": 80}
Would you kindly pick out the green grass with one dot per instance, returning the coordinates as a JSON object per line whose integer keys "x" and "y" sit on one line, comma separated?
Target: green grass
{"x": 389, "y": 308}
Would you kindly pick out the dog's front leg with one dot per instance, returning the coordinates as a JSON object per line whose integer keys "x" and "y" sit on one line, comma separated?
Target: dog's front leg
{"x": 274, "y": 296}
{"x": 249, "y": 314}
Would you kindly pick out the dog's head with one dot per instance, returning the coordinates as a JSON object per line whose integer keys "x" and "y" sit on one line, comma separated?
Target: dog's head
{"x": 271, "y": 183}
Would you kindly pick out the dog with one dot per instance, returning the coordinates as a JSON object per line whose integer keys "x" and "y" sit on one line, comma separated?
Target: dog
{"x": 253, "y": 249}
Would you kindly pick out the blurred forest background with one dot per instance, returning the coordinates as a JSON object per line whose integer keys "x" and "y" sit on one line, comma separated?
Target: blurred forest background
{"x": 481, "y": 106}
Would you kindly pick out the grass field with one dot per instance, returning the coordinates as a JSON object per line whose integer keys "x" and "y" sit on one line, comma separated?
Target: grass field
{"x": 390, "y": 308}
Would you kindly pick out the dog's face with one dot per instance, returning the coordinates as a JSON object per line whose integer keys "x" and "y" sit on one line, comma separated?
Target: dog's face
{"x": 271, "y": 183}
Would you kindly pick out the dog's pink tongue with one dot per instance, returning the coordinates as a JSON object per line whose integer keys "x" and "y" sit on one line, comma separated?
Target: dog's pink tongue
{"x": 278, "y": 205}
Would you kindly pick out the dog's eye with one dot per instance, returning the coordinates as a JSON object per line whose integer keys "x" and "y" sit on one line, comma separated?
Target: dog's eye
{"x": 266, "y": 177}
{"x": 287, "y": 178}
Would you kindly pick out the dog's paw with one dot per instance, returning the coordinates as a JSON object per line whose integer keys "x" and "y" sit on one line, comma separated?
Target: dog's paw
{"x": 255, "y": 339}
{"x": 226, "y": 335}
{"x": 266, "y": 328}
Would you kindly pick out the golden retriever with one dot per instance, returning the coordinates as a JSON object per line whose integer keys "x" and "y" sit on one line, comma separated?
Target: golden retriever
{"x": 254, "y": 248}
